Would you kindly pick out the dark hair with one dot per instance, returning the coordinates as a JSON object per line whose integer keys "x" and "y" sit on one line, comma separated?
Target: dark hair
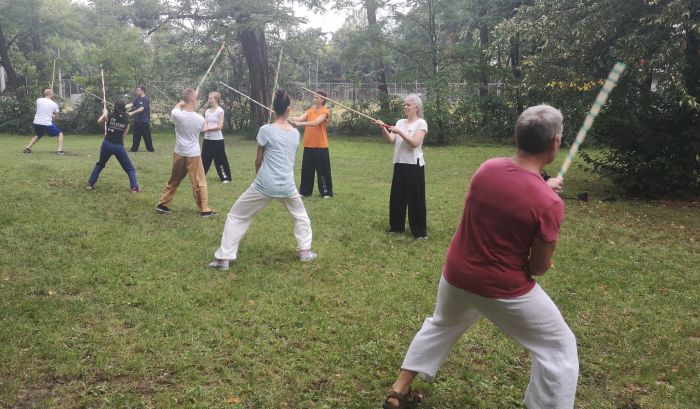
{"x": 322, "y": 93}
{"x": 142, "y": 87}
{"x": 536, "y": 128}
{"x": 119, "y": 107}
{"x": 282, "y": 102}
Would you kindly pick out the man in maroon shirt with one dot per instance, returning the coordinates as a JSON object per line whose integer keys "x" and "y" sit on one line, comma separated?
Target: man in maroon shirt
{"x": 507, "y": 235}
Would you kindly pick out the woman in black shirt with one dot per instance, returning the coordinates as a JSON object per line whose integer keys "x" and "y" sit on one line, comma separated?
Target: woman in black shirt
{"x": 113, "y": 144}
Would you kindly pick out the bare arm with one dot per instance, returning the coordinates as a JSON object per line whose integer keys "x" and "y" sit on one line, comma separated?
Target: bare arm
{"x": 135, "y": 111}
{"x": 102, "y": 119}
{"x": 298, "y": 118}
{"x": 557, "y": 184}
{"x": 259, "y": 158}
{"x": 318, "y": 120}
{"x": 389, "y": 137}
{"x": 540, "y": 259}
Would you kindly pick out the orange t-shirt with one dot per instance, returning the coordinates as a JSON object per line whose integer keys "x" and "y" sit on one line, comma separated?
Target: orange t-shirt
{"x": 316, "y": 136}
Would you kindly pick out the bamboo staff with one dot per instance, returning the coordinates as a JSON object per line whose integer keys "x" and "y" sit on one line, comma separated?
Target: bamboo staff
{"x": 610, "y": 83}
{"x": 210, "y": 66}
{"x": 53, "y": 73}
{"x": 163, "y": 92}
{"x": 104, "y": 93}
{"x": 274, "y": 88}
{"x": 245, "y": 96}
{"x": 93, "y": 95}
{"x": 344, "y": 106}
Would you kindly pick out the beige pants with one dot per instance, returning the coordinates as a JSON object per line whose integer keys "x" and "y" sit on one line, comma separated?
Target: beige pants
{"x": 183, "y": 166}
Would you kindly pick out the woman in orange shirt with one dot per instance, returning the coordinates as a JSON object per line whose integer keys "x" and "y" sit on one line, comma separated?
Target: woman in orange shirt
{"x": 316, "y": 158}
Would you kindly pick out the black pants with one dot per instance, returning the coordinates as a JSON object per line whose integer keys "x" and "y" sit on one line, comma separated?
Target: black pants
{"x": 408, "y": 190}
{"x": 215, "y": 150}
{"x": 316, "y": 160}
{"x": 142, "y": 129}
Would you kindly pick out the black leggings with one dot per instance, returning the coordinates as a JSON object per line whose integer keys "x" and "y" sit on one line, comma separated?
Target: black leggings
{"x": 408, "y": 190}
{"x": 215, "y": 150}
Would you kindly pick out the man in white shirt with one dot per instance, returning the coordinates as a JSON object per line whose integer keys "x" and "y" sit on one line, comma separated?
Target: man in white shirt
{"x": 46, "y": 112}
{"x": 187, "y": 158}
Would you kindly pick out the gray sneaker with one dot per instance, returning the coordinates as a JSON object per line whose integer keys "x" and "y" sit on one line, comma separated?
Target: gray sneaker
{"x": 307, "y": 255}
{"x": 219, "y": 264}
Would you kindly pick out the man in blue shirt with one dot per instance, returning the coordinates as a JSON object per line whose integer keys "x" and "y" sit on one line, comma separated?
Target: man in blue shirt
{"x": 141, "y": 115}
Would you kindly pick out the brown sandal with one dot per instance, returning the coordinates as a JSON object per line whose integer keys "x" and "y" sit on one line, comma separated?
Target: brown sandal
{"x": 409, "y": 400}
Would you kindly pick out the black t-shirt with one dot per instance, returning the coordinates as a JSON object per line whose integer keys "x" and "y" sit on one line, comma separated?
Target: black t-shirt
{"x": 145, "y": 115}
{"x": 116, "y": 125}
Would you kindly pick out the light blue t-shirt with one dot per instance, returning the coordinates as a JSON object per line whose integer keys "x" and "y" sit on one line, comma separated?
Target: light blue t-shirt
{"x": 276, "y": 174}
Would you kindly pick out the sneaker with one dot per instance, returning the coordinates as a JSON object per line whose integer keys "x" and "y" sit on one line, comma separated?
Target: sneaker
{"x": 89, "y": 186}
{"x": 219, "y": 264}
{"x": 422, "y": 238}
{"x": 307, "y": 255}
{"x": 135, "y": 190}
{"x": 27, "y": 150}
{"x": 210, "y": 213}
{"x": 225, "y": 181}
{"x": 60, "y": 153}
{"x": 163, "y": 209}
{"x": 327, "y": 197}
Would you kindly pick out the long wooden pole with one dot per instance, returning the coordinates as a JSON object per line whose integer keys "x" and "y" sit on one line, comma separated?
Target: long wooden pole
{"x": 95, "y": 96}
{"x": 163, "y": 92}
{"x": 274, "y": 88}
{"x": 344, "y": 106}
{"x": 104, "y": 93}
{"x": 210, "y": 66}
{"x": 53, "y": 73}
{"x": 245, "y": 96}
{"x": 610, "y": 83}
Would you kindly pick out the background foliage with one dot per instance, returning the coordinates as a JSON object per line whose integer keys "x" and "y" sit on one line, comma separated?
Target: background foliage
{"x": 512, "y": 53}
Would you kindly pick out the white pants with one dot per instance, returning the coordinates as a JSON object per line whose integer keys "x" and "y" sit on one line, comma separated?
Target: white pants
{"x": 532, "y": 320}
{"x": 244, "y": 210}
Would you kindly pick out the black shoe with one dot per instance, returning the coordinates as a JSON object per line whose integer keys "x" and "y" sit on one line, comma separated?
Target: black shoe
{"x": 131, "y": 150}
{"x": 163, "y": 209}
{"x": 210, "y": 213}
{"x": 27, "y": 150}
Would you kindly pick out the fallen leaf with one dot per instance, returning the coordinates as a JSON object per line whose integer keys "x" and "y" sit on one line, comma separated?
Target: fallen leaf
{"x": 233, "y": 400}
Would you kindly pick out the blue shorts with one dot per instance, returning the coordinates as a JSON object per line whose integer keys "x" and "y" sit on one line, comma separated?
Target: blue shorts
{"x": 41, "y": 130}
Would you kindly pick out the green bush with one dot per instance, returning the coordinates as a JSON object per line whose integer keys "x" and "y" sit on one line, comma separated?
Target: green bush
{"x": 16, "y": 115}
{"x": 653, "y": 142}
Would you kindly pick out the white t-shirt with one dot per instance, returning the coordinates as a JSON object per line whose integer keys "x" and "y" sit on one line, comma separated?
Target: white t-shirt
{"x": 188, "y": 125}
{"x": 44, "y": 111}
{"x": 212, "y": 117}
{"x": 405, "y": 153}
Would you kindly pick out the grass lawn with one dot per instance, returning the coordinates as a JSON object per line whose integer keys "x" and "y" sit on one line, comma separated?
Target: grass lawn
{"x": 104, "y": 303}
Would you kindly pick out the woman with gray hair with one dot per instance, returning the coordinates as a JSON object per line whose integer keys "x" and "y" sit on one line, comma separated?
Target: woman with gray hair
{"x": 408, "y": 182}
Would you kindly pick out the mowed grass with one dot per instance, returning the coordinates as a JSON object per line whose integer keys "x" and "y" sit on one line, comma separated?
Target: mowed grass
{"x": 104, "y": 303}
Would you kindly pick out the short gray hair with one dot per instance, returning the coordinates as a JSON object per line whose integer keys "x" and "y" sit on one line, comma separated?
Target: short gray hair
{"x": 415, "y": 98}
{"x": 536, "y": 128}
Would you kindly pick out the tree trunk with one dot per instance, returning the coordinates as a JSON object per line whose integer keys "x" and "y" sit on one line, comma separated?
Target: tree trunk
{"x": 432, "y": 27}
{"x": 12, "y": 79}
{"x": 371, "y": 7}
{"x": 483, "y": 44}
{"x": 692, "y": 54}
{"x": 255, "y": 52}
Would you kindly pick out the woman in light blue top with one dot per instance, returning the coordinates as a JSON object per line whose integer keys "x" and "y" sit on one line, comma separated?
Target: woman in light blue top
{"x": 274, "y": 167}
